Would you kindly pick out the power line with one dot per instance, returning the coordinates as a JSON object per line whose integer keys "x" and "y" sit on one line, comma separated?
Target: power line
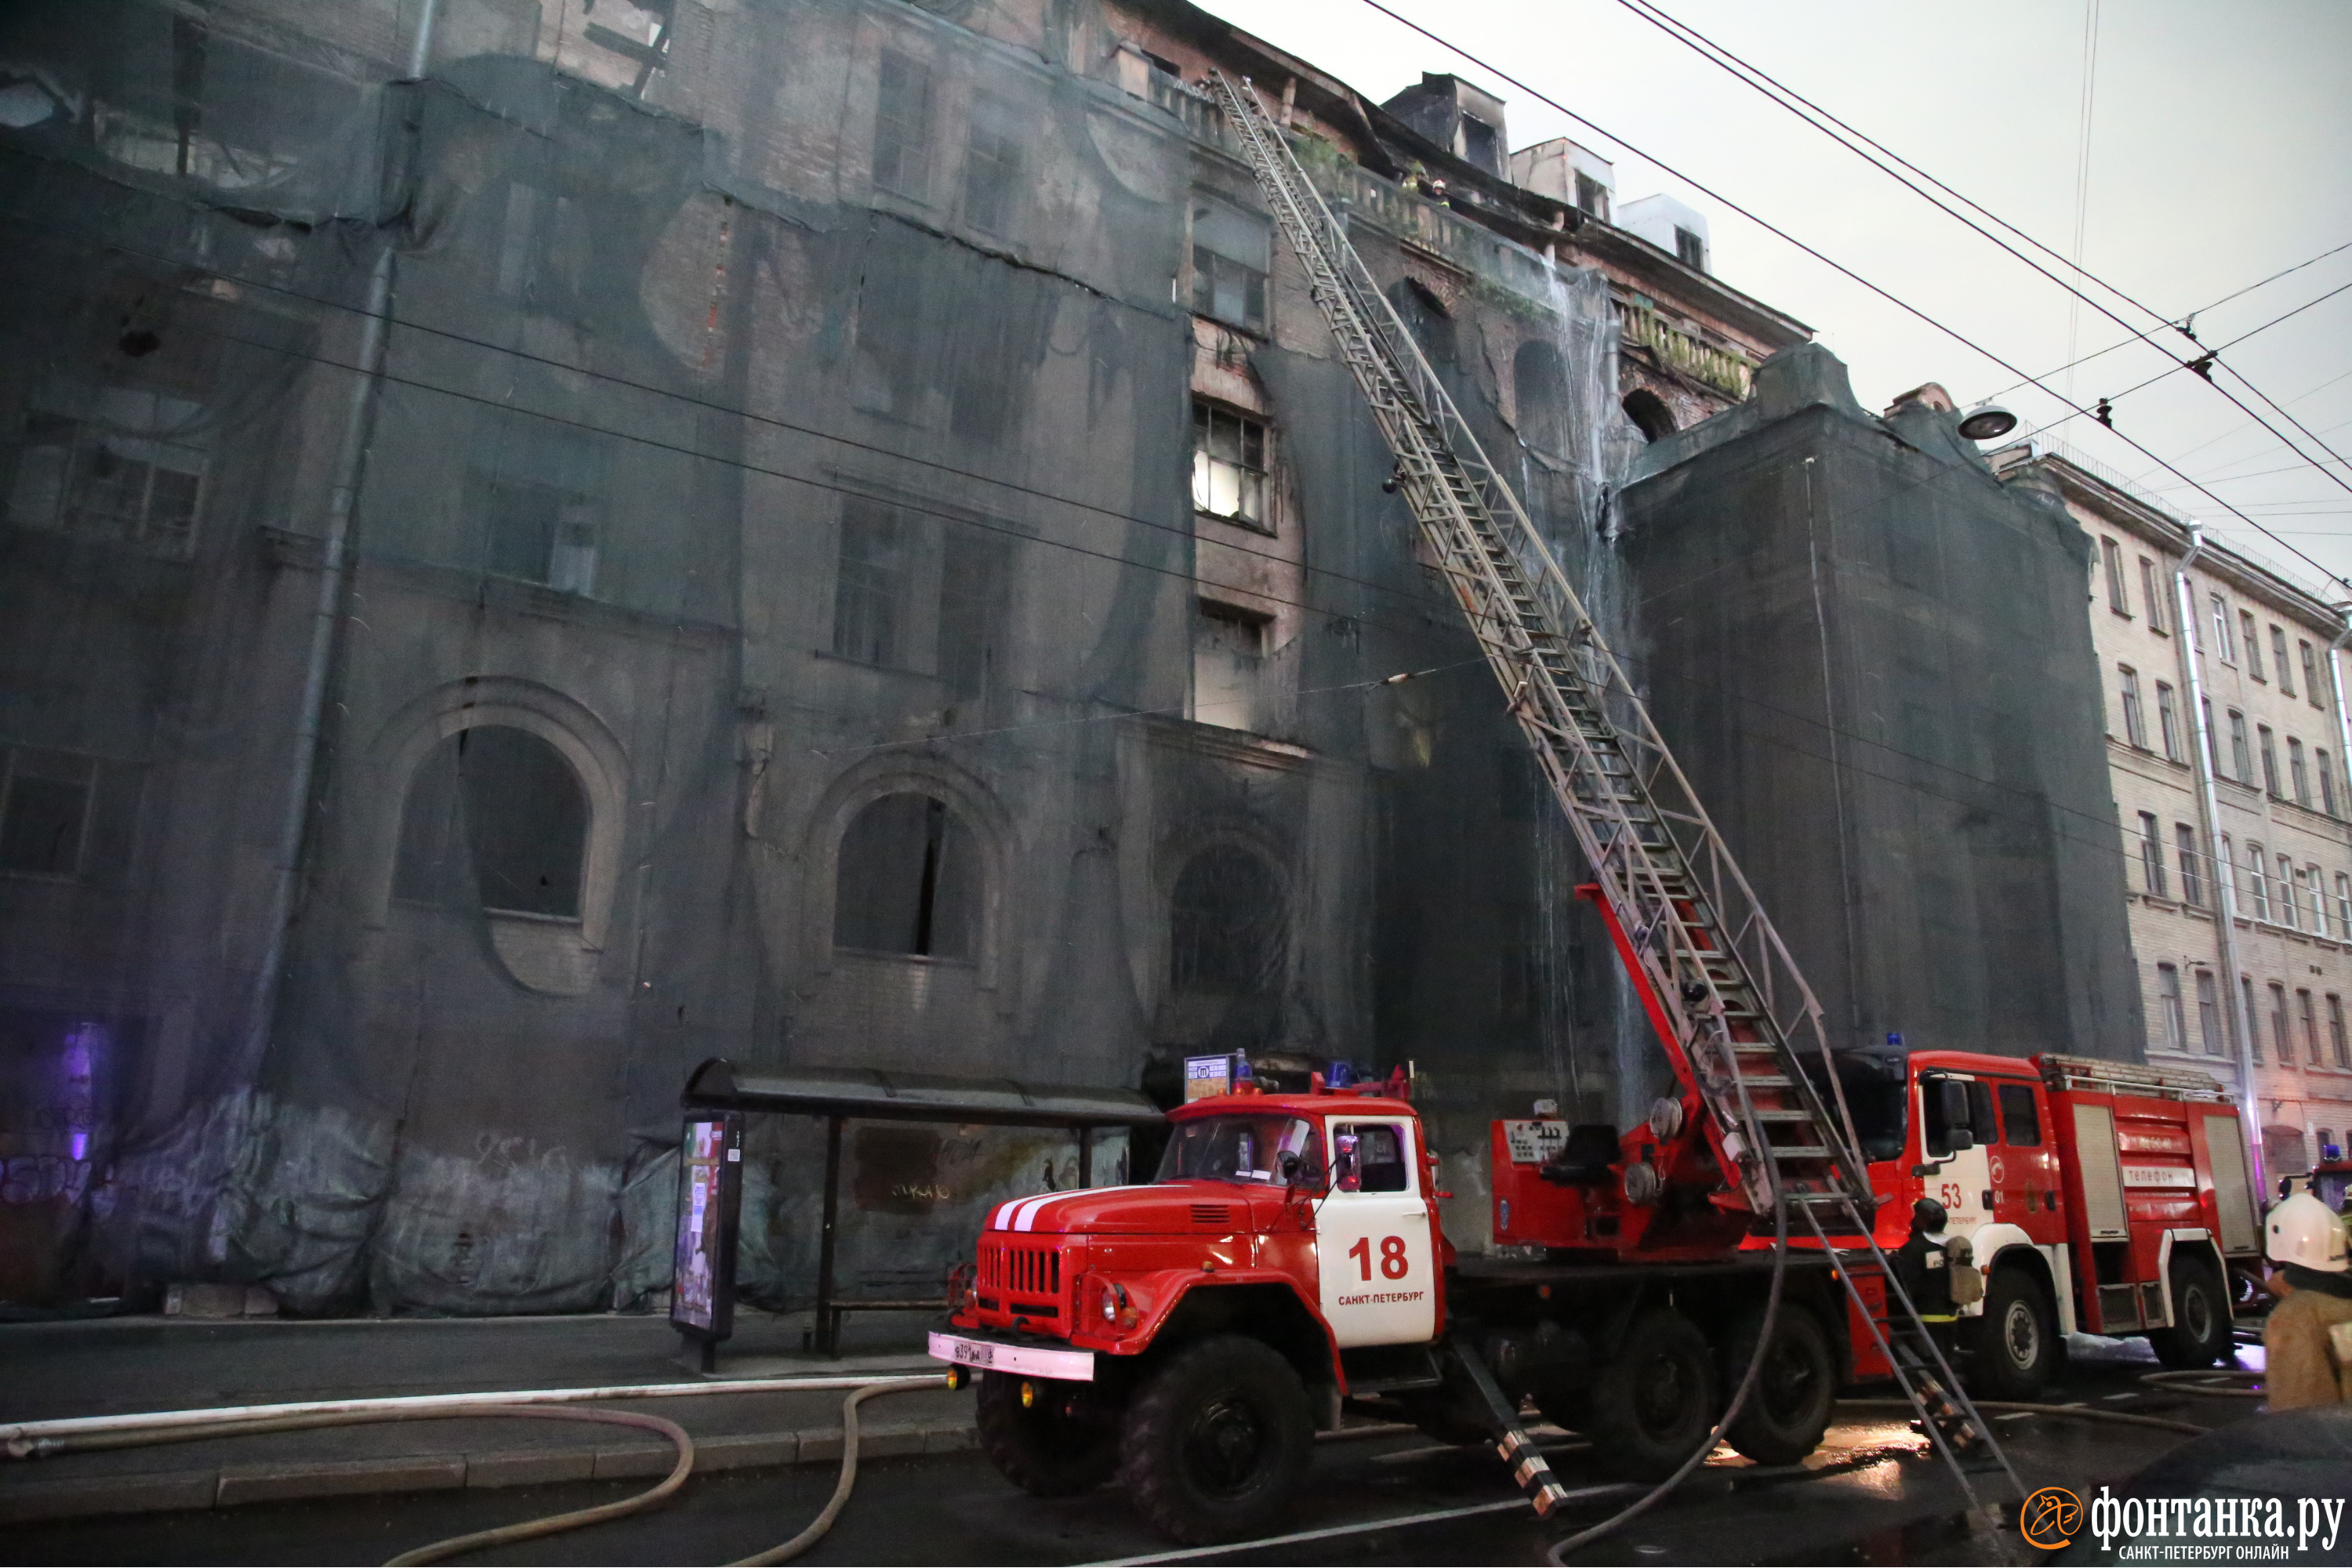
{"x": 1788, "y": 99}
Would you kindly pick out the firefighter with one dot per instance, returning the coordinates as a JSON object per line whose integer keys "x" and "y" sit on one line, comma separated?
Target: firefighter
{"x": 2307, "y": 1343}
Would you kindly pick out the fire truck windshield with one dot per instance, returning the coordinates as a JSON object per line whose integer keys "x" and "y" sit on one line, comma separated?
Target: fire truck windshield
{"x": 1877, "y": 1090}
{"x": 1245, "y": 1149}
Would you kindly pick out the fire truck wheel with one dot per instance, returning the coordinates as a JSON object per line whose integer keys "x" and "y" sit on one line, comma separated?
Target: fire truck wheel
{"x": 1655, "y": 1399}
{"x": 2017, "y": 1341}
{"x": 1217, "y": 1441}
{"x": 1788, "y": 1409}
{"x": 2201, "y": 1311}
{"x": 1042, "y": 1447}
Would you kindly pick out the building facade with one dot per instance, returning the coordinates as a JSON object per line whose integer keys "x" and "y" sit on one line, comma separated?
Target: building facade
{"x": 2238, "y": 852}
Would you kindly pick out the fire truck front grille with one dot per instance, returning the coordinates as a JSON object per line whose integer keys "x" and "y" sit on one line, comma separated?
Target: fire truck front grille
{"x": 1021, "y": 1271}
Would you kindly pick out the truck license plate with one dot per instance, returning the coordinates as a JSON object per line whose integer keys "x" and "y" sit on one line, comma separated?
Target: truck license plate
{"x": 1029, "y": 1361}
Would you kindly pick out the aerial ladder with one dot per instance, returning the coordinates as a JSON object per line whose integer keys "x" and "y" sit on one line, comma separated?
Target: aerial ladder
{"x": 1730, "y": 1007}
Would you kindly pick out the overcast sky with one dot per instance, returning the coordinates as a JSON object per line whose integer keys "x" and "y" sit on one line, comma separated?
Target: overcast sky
{"x": 2219, "y": 152}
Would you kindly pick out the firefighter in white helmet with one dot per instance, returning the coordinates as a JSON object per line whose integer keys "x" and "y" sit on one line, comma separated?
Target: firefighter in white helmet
{"x": 2307, "y": 1343}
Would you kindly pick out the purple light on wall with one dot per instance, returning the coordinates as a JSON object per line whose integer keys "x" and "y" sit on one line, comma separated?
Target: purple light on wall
{"x": 85, "y": 1043}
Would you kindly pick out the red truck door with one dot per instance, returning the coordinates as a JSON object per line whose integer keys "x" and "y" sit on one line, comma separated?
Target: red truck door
{"x": 1375, "y": 1245}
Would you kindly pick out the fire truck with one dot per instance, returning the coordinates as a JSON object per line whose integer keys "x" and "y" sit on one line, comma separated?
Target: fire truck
{"x": 1718, "y": 1271}
{"x": 1192, "y": 1334}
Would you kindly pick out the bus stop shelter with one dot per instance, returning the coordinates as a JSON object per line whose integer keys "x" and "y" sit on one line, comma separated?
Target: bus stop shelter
{"x": 840, "y": 1095}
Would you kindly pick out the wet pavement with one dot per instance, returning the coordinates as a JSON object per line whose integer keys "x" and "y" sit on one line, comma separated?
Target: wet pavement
{"x": 1868, "y": 1496}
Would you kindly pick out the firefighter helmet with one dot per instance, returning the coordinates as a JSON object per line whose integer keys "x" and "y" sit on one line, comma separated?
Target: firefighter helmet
{"x": 2303, "y": 1230}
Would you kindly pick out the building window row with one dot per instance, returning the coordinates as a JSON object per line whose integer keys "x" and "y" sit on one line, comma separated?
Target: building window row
{"x": 2305, "y": 1028}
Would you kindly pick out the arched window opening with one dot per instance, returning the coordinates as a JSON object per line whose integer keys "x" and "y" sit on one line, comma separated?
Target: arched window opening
{"x": 497, "y": 820}
{"x": 1649, "y": 414}
{"x": 1542, "y": 392}
{"x": 1227, "y": 923}
{"x": 908, "y": 882}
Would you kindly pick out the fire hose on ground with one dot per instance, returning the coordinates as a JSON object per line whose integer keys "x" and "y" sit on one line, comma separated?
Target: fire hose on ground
{"x": 40, "y": 1440}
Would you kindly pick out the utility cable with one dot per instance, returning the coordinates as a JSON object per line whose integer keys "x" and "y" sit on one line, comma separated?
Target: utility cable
{"x": 1783, "y": 96}
{"x": 1839, "y": 268}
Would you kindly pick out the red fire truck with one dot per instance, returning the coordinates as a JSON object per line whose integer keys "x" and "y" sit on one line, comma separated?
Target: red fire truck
{"x": 1190, "y": 1335}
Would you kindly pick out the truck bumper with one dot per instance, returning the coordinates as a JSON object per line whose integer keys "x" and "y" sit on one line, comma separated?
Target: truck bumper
{"x": 990, "y": 1353}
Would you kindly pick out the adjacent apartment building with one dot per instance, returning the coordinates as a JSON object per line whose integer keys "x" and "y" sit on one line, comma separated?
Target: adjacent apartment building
{"x": 2238, "y": 851}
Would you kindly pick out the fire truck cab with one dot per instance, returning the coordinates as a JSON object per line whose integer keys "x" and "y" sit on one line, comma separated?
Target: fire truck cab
{"x": 2091, "y": 1196}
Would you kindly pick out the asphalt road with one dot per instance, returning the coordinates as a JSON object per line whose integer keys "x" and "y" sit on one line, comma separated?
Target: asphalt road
{"x": 1871, "y": 1498}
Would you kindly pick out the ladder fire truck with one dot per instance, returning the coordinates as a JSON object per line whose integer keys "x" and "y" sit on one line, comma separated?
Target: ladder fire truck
{"x": 1718, "y": 1272}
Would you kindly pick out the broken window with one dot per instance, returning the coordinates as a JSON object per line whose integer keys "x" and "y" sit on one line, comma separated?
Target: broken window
{"x": 2135, "y": 720}
{"x": 908, "y": 881}
{"x": 870, "y": 584}
{"x": 112, "y": 476}
{"x": 1480, "y": 145}
{"x": 1226, "y": 924}
{"x": 2113, "y": 556}
{"x": 2151, "y": 853}
{"x": 991, "y": 166}
{"x": 537, "y": 491}
{"x": 1592, "y": 197}
{"x": 2192, "y": 880}
{"x": 2151, "y": 591}
{"x": 44, "y": 810}
{"x": 2168, "y": 721}
{"x": 1229, "y": 464}
{"x": 1229, "y": 648}
{"x": 497, "y": 820}
{"x": 1691, "y": 248}
{"x": 902, "y": 125}
{"x": 1541, "y": 390}
{"x": 1231, "y": 252}
{"x": 1649, "y": 414}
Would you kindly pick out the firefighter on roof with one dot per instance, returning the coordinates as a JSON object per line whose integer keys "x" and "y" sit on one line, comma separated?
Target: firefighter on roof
{"x": 2307, "y": 1343}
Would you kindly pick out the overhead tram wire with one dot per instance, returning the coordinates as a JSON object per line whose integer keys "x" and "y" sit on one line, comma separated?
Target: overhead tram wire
{"x": 1789, "y": 98}
{"x": 2201, "y": 310}
{"x": 1500, "y": 74}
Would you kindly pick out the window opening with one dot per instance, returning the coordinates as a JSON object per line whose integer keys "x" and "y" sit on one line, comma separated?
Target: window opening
{"x": 496, "y": 819}
{"x": 2253, "y": 645}
{"x": 1232, "y": 253}
{"x": 1229, "y": 646}
{"x": 2278, "y": 660}
{"x": 2168, "y": 721}
{"x": 2258, "y": 882}
{"x": 2310, "y": 1023}
{"x": 2339, "y": 1047}
{"x": 2151, "y": 590}
{"x": 2310, "y": 674}
{"x": 2241, "y": 758}
{"x": 2151, "y": 853}
{"x": 2112, "y": 557}
{"x": 2167, "y": 991}
{"x": 2286, "y": 895}
{"x": 908, "y": 881}
{"x": 2224, "y": 648}
{"x": 1226, "y": 924}
{"x": 1649, "y": 414}
{"x": 2135, "y": 720}
{"x": 991, "y": 166}
{"x": 106, "y": 480}
{"x": 870, "y": 584}
{"x": 1229, "y": 466}
{"x": 2209, "y": 1013}
{"x": 2316, "y": 883}
{"x": 1691, "y": 249}
{"x": 2192, "y": 881}
{"x": 902, "y": 125}
{"x": 2285, "y": 1046}
{"x": 1592, "y": 197}
{"x": 1479, "y": 145}
{"x": 44, "y": 811}
{"x": 2296, "y": 774}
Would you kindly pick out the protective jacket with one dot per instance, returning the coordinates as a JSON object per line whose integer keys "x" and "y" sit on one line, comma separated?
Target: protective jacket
{"x": 2307, "y": 1341}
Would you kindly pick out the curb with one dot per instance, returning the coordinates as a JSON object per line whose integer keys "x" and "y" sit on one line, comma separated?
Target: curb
{"x": 231, "y": 1486}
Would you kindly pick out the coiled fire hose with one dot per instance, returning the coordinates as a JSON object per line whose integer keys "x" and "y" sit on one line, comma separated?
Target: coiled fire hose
{"x": 36, "y": 1439}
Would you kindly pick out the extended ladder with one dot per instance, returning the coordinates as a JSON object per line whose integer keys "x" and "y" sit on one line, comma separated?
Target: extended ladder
{"x": 1737, "y": 1013}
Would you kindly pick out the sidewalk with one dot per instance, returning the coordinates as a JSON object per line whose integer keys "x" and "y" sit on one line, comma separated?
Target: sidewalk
{"x": 134, "y": 1364}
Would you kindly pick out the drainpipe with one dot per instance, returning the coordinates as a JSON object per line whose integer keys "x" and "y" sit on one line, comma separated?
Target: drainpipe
{"x": 326, "y": 614}
{"x": 2209, "y": 801}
